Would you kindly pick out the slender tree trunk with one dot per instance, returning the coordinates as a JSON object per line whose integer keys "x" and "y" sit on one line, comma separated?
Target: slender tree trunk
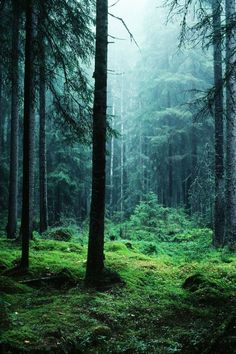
{"x": 219, "y": 133}
{"x": 58, "y": 203}
{"x": 192, "y": 171}
{"x": 13, "y": 182}
{"x": 112, "y": 165}
{"x": 183, "y": 170}
{"x": 28, "y": 148}
{"x": 170, "y": 173}
{"x": 42, "y": 132}
{"x": 122, "y": 149}
{"x": 231, "y": 123}
{"x": 95, "y": 261}
{"x": 141, "y": 191}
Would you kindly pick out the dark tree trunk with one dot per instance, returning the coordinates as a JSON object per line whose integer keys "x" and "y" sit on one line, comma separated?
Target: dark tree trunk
{"x": 170, "y": 174}
{"x": 219, "y": 138}
{"x": 192, "y": 171}
{"x": 42, "y": 133}
{"x": 58, "y": 208}
{"x": 1, "y": 112}
{"x": 28, "y": 146}
{"x": 231, "y": 124}
{"x": 13, "y": 182}
{"x": 95, "y": 261}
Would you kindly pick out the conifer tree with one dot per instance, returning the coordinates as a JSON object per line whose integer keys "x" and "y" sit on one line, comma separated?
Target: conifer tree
{"x": 28, "y": 138}
{"x": 230, "y": 123}
{"x": 95, "y": 260}
{"x": 13, "y": 180}
{"x": 219, "y": 133}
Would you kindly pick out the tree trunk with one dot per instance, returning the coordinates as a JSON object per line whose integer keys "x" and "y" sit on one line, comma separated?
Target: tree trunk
{"x": 112, "y": 164}
{"x": 219, "y": 134}
{"x": 1, "y": 112}
{"x": 95, "y": 260}
{"x": 13, "y": 182}
{"x": 42, "y": 123}
{"x": 28, "y": 146}
{"x": 170, "y": 173}
{"x": 231, "y": 124}
{"x": 122, "y": 149}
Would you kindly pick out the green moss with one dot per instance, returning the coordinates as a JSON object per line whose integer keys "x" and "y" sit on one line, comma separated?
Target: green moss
{"x": 9, "y": 286}
{"x": 150, "y": 312}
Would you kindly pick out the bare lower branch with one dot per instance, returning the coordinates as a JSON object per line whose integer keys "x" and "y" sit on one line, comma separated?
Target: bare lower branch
{"x": 126, "y": 27}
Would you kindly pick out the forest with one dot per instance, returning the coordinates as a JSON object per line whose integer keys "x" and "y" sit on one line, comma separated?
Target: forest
{"x": 118, "y": 176}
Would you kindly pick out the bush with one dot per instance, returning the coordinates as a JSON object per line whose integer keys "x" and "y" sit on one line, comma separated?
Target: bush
{"x": 153, "y": 222}
{"x": 59, "y": 234}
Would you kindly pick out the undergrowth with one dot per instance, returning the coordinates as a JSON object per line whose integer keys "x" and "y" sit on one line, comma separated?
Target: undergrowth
{"x": 154, "y": 310}
{"x": 177, "y": 294}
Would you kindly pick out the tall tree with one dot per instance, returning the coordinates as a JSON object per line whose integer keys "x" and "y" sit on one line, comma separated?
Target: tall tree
{"x": 42, "y": 124}
{"x": 26, "y": 221}
{"x": 219, "y": 132}
{"x": 13, "y": 182}
{"x": 95, "y": 260}
{"x": 1, "y": 108}
{"x": 231, "y": 123}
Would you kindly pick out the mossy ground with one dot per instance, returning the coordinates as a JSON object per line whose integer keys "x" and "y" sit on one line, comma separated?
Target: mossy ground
{"x": 152, "y": 312}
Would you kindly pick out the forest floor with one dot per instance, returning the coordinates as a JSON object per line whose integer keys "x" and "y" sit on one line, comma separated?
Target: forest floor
{"x": 177, "y": 298}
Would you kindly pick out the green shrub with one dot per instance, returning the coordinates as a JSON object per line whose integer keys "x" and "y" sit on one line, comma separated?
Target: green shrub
{"x": 59, "y": 234}
{"x": 153, "y": 222}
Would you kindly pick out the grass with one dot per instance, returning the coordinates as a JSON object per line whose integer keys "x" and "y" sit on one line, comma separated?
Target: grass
{"x": 177, "y": 297}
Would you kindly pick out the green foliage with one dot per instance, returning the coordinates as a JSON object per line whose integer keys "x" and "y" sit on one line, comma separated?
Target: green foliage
{"x": 152, "y": 222}
{"x": 50, "y": 317}
{"x": 59, "y": 234}
{"x": 148, "y": 248}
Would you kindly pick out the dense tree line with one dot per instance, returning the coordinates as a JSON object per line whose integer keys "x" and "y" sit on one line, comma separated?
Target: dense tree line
{"x": 44, "y": 80}
{"x": 179, "y": 129}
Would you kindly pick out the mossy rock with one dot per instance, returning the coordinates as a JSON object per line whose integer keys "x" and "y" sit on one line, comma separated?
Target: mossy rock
{"x": 62, "y": 279}
{"x": 206, "y": 292}
{"x": 197, "y": 281}
{"x": 66, "y": 278}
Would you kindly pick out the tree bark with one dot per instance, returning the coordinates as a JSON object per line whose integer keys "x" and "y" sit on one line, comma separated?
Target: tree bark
{"x": 122, "y": 149}
{"x": 230, "y": 238}
{"x": 42, "y": 123}
{"x": 13, "y": 182}
{"x": 1, "y": 112}
{"x": 95, "y": 260}
{"x": 112, "y": 164}
{"x": 28, "y": 145}
{"x": 219, "y": 130}
{"x": 170, "y": 173}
